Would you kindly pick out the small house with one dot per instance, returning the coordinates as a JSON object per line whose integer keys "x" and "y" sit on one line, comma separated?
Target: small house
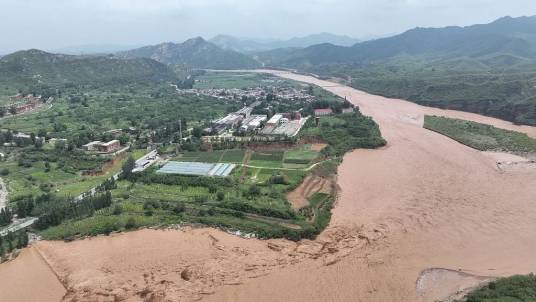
{"x": 323, "y": 112}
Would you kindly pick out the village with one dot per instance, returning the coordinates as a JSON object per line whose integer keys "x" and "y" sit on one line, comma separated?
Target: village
{"x": 253, "y": 93}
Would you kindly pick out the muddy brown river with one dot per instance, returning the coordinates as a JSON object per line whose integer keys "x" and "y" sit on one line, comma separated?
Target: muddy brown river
{"x": 421, "y": 219}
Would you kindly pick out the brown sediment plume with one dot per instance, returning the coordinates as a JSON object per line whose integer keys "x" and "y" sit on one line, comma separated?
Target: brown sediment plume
{"x": 422, "y": 202}
{"x": 29, "y": 278}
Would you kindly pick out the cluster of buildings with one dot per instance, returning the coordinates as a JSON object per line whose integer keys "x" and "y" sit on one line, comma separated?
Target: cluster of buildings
{"x": 284, "y": 124}
{"x": 103, "y": 147}
{"x": 27, "y": 103}
{"x": 280, "y": 124}
{"x": 256, "y": 93}
{"x": 22, "y": 137}
{"x": 329, "y": 111}
{"x": 242, "y": 119}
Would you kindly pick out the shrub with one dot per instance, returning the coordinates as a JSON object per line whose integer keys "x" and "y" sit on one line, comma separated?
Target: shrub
{"x": 118, "y": 209}
{"x": 131, "y": 223}
{"x": 179, "y": 208}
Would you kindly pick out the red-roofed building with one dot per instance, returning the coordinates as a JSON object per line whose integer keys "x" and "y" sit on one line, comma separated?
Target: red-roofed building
{"x": 323, "y": 112}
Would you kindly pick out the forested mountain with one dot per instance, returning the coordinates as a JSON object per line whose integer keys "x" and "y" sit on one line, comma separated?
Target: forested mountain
{"x": 488, "y": 69}
{"x": 195, "y": 53}
{"x": 505, "y": 42}
{"x": 251, "y": 45}
{"x": 39, "y": 67}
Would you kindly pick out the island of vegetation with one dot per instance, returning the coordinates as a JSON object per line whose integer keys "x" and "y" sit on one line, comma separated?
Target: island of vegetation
{"x": 481, "y": 136}
{"x": 511, "y": 289}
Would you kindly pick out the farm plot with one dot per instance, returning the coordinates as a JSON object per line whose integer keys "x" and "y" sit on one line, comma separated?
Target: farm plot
{"x": 267, "y": 159}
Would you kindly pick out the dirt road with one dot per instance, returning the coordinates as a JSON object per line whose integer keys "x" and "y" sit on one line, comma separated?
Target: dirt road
{"x": 417, "y": 220}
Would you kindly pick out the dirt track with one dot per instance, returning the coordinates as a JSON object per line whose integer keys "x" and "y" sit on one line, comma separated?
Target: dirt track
{"x": 423, "y": 202}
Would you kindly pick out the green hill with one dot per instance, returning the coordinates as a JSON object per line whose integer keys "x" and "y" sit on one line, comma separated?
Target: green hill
{"x": 488, "y": 69}
{"x": 195, "y": 53}
{"x": 38, "y": 67}
{"x": 509, "y": 37}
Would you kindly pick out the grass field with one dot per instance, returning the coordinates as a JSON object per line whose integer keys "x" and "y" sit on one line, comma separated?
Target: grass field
{"x": 480, "y": 136}
{"x": 37, "y": 180}
{"x": 299, "y": 158}
{"x": 512, "y": 289}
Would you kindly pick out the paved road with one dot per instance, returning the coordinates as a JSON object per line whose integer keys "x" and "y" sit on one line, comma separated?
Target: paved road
{"x": 18, "y": 225}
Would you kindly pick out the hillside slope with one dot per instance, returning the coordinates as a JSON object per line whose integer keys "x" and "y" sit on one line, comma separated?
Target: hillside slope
{"x": 195, "y": 53}
{"x": 505, "y": 42}
{"x": 39, "y": 67}
{"x": 488, "y": 69}
{"x": 250, "y": 45}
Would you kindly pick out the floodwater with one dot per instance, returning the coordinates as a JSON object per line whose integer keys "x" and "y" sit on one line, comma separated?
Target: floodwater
{"x": 418, "y": 220}
{"x": 29, "y": 279}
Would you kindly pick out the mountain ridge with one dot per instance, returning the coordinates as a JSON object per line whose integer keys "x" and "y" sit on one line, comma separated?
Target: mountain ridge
{"x": 247, "y": 45}
{"x": 35, "y": 66}
{"x": 194, "y": 53}
{"x": 504, "y": 36}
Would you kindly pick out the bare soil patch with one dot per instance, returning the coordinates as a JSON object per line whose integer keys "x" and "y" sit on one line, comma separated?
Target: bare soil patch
{"x": 298, "y": 197}
{"x": 446, "y": 285}
{"x": 318, "y": 146}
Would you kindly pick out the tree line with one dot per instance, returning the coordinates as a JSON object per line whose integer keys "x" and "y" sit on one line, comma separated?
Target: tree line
{"x": 5, "y": 216}
{"x": 12, "y": 241}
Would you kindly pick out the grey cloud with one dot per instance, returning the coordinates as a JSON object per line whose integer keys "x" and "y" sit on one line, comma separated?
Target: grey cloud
{"x": 53, "y": 24}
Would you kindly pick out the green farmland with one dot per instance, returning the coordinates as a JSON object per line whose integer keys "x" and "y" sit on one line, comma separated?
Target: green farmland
{"x": 480, "y": 136}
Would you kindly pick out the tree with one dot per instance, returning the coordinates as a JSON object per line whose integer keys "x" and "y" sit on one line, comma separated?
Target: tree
{"x": 220, "y": 196}
{"x": 42, "y": 133}
{"x": 127, "y": 168}
{"x": 117, "y": 210}
{"x": 131, "y": 223}
{"x": 254, "y": 190}
{"x": 179, "y": 208}
{"x": 4, "y": 172}
{"x": 2, "y": 250}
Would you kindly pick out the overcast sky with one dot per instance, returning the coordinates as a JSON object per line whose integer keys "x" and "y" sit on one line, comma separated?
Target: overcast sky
{"x": 54, "y": 24}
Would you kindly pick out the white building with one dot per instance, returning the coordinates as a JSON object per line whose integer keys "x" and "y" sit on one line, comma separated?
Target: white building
{"x": 274, "y": 120}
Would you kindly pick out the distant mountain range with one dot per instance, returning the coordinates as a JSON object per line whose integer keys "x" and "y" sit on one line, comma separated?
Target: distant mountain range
{"x": 246, "y": 45}
{"x": 38, "y": 67}
{"x": 93, "y": 49}
{"x": 507, "y": 41}
{"x": 196, "y": 53}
